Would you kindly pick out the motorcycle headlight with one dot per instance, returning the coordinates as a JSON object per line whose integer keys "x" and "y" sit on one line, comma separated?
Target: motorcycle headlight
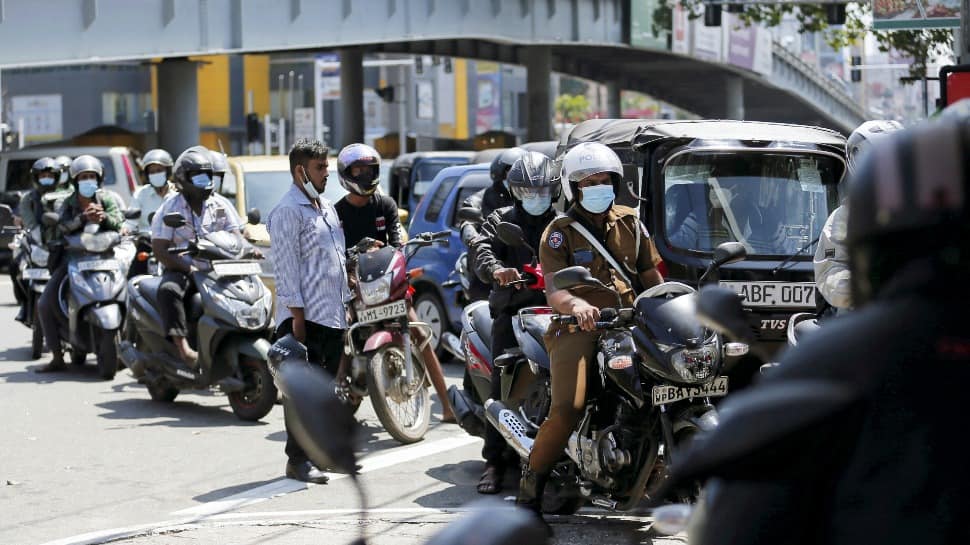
{"x": 39, "y": 255}
{"x": 98, "y": 243}
{"x": 695, "y": 365}
{"x": 376, "y": 291}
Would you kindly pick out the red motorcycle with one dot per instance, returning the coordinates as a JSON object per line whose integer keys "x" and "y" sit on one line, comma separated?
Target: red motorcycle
{"x": 385, "y": 364}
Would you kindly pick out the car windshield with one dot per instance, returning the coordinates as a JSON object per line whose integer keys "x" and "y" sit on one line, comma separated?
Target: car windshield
{"x": 774, "y": 203}
{"x": 265, "y": 189}
{"x": 426, "y": 170}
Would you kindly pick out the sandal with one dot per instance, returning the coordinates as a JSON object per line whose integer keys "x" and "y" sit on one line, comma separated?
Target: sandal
{"x": 491, "y": 481}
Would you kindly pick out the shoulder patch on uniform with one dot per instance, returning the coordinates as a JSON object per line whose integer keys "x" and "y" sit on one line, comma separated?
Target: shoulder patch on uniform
{"x": 555, "y": 239}
{"x": 830, "y": 253}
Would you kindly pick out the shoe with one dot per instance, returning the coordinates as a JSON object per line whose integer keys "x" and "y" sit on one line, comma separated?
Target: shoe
{"x": 531, "y": 488}
{"x": 306, "y": 472}
{"x": 56, "y": 364}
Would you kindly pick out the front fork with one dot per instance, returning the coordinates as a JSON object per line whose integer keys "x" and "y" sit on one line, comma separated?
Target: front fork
{"x": 408, "y": 356}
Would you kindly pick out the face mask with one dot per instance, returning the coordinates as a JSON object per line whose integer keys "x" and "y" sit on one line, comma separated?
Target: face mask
{"x": 158, "y": 179}
{"x": 597, "y": 199}
{"x": 537, "y": 206}
{"x": 201, "y": 180}
{"x": 308, "y": 187}
{"x": 46, "y": 182}
{"x": 87, "y": 188}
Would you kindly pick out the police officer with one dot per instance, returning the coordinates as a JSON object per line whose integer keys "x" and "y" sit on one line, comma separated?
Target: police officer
{"x": 534, "y": 185}
{"x": 88, "y": 204}
{"x": 43, "y": 178}
{"x": 876, "y": 459}
{"x": 591, "y": 174}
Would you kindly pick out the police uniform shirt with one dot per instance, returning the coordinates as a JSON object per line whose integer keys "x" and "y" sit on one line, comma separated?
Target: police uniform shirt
{"x": 562, "y": 246}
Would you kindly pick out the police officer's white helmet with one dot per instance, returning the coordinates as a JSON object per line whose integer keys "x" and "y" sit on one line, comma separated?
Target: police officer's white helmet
{"x": 863, "y": 137}
{"x": 586, "y": 159}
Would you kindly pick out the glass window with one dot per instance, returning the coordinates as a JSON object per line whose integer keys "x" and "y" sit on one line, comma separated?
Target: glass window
{"x": 439, "y": 198}
{"x": 464, "y": 193}
{"x": 265, "y": 189}
{"x": 423, "y": 174}
{"x": 773, "y": 203}
{"x": 109, "y": 170}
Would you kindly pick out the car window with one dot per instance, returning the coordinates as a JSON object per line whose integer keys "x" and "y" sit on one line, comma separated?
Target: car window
{"x": 423, "y": 174}
{"x": 265, "y": 189}
{"x": 109, "y": 170}
{"x": 463, "y": 193}
{"x": 437, "y": 201}
{"x": 228, "y": 186}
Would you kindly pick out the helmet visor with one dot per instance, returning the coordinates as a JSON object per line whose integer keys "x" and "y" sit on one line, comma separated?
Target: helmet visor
{"x": 522, "y": 193}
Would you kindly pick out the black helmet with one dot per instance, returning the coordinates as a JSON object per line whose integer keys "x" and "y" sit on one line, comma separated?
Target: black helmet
{"x": 192, "y": 173}
{"x": 503, "y": 162}
{"x": 86, "y": 163}
{"x": 45, "y": 165}
{"x": 534, "y": 173}
{"x": 286, "y": 348}
{"x": 908, "y": 208}
{"x": 359, "y": 155}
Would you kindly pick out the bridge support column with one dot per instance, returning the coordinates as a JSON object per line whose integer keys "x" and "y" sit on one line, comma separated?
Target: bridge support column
{"x": 178, "y": 105}
{"x": 538, "y": 63}
{"x": 614, "y": 109}
{"x": 734, "y": 97}
{"x": 351, "y": 95}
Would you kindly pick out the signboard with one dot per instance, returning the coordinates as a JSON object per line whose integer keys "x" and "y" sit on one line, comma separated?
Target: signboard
{"x": 488, "y": 113}
{"x": 748, "y": 47}
{"x": 425, "y": 95}
{"x": 915, "y": 14}
{"x": 641, "y": 25}
{"x": 303, "y": 123}
{"x": 326, "y": 86}
{"x": 42, "y": 115}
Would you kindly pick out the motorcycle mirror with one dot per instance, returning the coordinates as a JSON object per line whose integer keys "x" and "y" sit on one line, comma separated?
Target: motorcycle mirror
{"x": 511, "y": 234}
{"x": 50, "y": 219}
{"x": 729, "y": 252}
{"x": 253, "y": 217}
{"x": 721, "y": 310}
{"x": 308, "y": 393}
{"x": 133, "y": 213}
{"x": 467, "y": 213}
{"x": 576, "y": 276}
{"x": 493, "y": 522}
{"x": 151, "y": 217}
{"x": 174, "y": 220}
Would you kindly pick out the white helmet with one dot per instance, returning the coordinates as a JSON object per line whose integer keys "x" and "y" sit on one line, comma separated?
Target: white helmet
{"x": 863, "y": 137}
{"x": 586, "y": 159}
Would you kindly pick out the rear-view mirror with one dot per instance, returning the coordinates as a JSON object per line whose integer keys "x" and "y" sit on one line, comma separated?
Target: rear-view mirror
{"x": 174, "y": 220}
{"x": 721, "y": 309}
{"x": 467, "y": 213}
{"x": 510, "y": 234}
{"x": 253, "y": 217}
{"x": 729, "y": 252}
{"x": 50, "y": 219}
{"x": 132, "y": 213}
{"x": 572, "y": 277}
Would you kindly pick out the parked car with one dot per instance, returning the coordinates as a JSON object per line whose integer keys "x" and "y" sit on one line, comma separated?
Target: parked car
{"x": 412, "y": 173}
{"x": 434, "y": 302}
{"x": 121, "y": 174}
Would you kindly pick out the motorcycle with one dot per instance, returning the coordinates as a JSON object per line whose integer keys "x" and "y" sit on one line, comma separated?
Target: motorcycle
{"x": 471, "y": 219}
{"x": 385, "y": 365}
{"x": 647, "y": 398}
{"x": 31, "y": 257}
{"x": 229, "y": 317}
{"x": 93, "y": 295}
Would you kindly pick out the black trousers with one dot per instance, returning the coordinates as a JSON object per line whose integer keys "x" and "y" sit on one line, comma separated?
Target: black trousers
{"x": 48, "y": 308}
{"x": 19, "y": 286}
{"x": 324, "y": 347}
{"x": 503, "y": 338}
{"x": 171, "y": 303}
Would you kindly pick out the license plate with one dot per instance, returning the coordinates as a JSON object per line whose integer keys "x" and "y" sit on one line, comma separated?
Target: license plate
{"x": 774, "y": 294}
{"x": 383, "y": 312}
{"x": 663, "y": 395}
{"x": 36, "y": 274}
{"x": 236, "y": 268}
{"x": 97, "y": 265}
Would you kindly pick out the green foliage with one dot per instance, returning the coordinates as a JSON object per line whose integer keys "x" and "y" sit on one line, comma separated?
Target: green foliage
{"x": 572, "y": 108}
{"x": 923, "y": 46}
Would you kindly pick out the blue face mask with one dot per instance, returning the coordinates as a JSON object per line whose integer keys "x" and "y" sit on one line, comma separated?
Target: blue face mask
{"x": 537, "y": 206}
{"x": 202, "y": 181}
{"x": 87, "y": 188}
{"x": 597, "y": 199}
{"x": 46, "y": 181}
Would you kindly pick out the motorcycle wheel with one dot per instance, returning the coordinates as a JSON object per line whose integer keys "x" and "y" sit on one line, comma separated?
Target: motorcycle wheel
{"x": 78, "y": 356}
{"x": 162, "y": 391}
{"x": 37, "y": 337}
{"x": 107, "y": 354}
{"x": 257, "y": 400}
{"x": 405, "y": 417}
{"x": 554, "y": 504}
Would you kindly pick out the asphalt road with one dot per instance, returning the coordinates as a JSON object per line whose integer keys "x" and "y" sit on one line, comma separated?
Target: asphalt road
{"x": 88, "y": 461}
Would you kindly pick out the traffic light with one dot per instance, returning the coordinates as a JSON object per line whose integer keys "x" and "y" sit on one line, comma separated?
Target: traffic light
{"x": 712, "y": 15}
{"x": 386, "y": 93}
{"x": 835, "y": 14}
{"x": 855, "y": 73}
{"x": 254, "y": 129}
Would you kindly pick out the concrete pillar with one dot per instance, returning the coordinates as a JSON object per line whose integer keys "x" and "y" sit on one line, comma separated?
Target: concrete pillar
{"x": 351, "y": 95}
{"x": 613, "y": 106}
{"x": 734, "y": 98}
{"x": 178, "y": 105}
{"x": 538, "y": 63}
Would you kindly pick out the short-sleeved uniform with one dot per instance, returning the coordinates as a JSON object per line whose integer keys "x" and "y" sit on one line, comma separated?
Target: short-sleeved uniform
{"x": 569, "y": 351}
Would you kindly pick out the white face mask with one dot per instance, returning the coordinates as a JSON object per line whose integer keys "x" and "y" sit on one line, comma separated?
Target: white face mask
{"x": 308, "y": 187}
{"x": 158, "y": 179}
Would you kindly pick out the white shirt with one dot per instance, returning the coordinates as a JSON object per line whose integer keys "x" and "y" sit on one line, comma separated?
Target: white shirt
{"x": 148, "y": 200}
{"x": 217, "y": 215}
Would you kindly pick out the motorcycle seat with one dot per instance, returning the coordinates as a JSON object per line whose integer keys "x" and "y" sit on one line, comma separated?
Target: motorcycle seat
{"x": 536, "y": 326}
{"x": 148, "y": 287}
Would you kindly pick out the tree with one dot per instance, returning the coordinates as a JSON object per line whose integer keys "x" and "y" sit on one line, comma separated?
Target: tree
{"x": 572, "y": 108}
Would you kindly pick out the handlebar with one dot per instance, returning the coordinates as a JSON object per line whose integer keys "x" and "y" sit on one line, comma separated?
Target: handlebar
{"x": 609, "y": 318}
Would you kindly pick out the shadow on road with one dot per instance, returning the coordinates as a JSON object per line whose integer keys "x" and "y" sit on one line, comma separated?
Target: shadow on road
{"x": 463, "y": 477}
{"x": 183, "y": 414}
{"x": 214, "y": 495}
{"x": 74, "y": 373}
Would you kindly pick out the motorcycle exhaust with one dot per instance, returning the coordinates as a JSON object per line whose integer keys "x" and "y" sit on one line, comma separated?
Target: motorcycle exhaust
{"x": 510, "y": 426}
{"x": 452, "y": 344}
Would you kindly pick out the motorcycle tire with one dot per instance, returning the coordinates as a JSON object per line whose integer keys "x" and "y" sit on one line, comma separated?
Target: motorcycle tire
{"x": 162, "y": 391}
{"x": 37, "y": 337}
{"x": 257, "y": 400}
{"x": 107, "y": 354}
{"x": 78, "y": 356}
{"x": 430, "y": 309}
{"x": 553, "y": 504}
{"x": 384, "y": 367}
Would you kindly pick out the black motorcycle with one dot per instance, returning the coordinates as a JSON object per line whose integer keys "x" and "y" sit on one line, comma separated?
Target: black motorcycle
{"x": 648, "y": 397}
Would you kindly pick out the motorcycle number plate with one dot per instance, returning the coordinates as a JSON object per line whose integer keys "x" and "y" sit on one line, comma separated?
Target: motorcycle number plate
{"x": 97, "y": 265}
{"x": 774, "y": 294}
{"x": 36, "y": 274}
{"x": 383, "y": 312}
{"x": 236, "y": 268}
{"x": 663, "y": 395}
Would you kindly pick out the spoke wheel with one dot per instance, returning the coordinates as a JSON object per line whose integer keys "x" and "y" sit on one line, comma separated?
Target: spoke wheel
{"x": 403, "y": 409}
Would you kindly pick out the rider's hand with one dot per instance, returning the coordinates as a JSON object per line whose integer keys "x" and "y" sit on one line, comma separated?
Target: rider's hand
{"x": 504, "y": 276}
{"x": 257, "y": 254}
{"x": 586, "y": 315}
{"x": 376, "y": 245}
{"x": 93, "y": 214}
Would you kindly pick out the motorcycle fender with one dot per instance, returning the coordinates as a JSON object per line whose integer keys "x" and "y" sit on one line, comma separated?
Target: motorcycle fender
{"x": 379, "y": 339}
{"x": 705, "y": 421}
{"x": 107, "y": 317}
{"x": 255, "y": 348}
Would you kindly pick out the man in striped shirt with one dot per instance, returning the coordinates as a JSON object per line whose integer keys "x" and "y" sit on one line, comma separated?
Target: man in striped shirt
{"x": 311, "y": 276}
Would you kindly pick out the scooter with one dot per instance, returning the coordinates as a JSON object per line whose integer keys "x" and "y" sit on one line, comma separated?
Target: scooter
{"x": 385, "y": 365}
{"x": 229, "y": 316}
{"x": 30, "y": 257}
{"x": 93, "y": 295}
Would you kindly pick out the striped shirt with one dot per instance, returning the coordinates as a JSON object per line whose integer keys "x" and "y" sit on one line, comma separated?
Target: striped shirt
{"x": 309, "y": 259}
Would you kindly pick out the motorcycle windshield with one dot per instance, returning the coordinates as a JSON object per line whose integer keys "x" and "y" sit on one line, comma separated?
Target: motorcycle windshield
{"x": 774, "y": 202}
{"x": 373, "y": 265}
{"x": 222, "y": 245}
